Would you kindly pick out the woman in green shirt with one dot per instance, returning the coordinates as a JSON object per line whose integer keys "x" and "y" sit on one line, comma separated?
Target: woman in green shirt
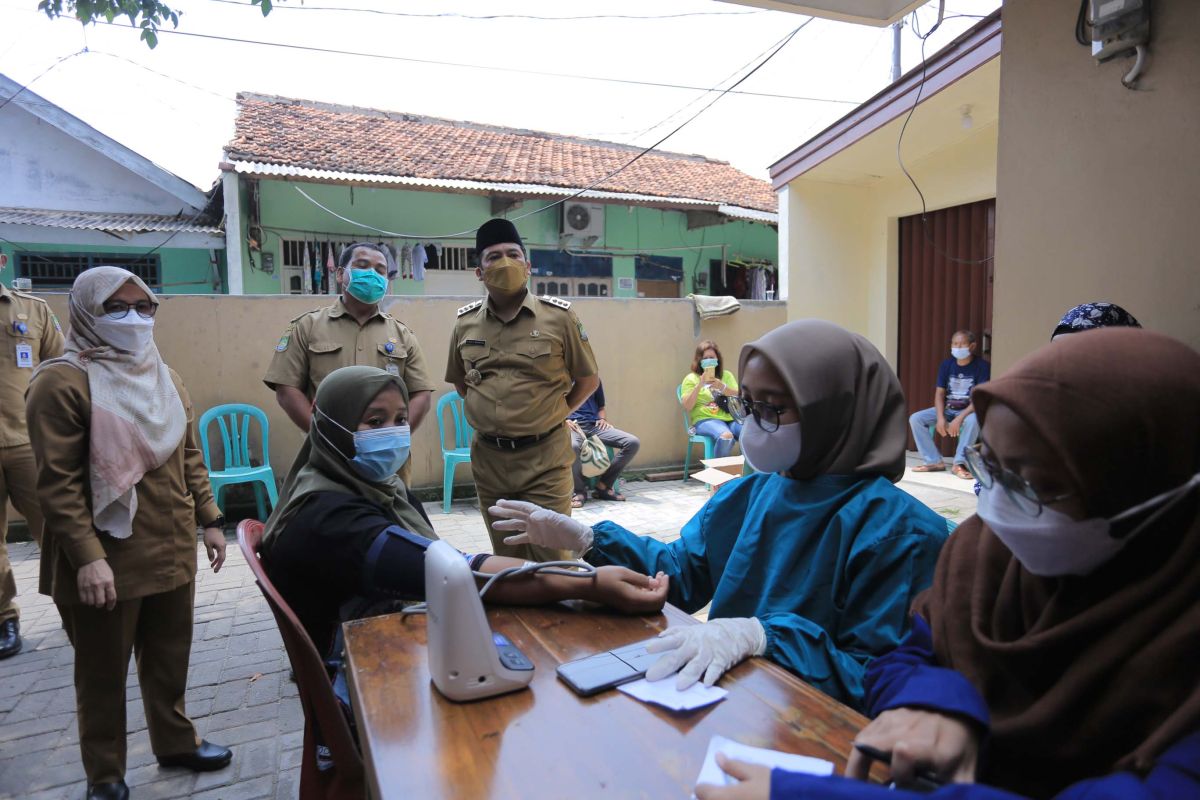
{"x": 702, "y": 394}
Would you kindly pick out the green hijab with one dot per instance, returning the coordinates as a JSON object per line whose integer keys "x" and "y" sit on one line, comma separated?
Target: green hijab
{"x": 323, "y": 462}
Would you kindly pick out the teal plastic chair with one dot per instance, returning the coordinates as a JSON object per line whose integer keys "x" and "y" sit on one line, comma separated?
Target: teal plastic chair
{"x": 233, "y": 420}
{"x": 459, "y": 451}
{"x": 693, "y": 437}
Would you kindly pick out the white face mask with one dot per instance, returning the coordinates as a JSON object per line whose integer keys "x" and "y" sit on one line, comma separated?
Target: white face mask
{"x": 1053, "y": 543}
{"x": 960, "y": 352}
{"x": 771, "y": 452}
{"x": 133, "y": 333}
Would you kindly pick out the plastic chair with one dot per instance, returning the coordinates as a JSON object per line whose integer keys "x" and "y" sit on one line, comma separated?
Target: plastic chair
{"x": 693, "y": 438}
{"x": 460, "y": 450}
{"x": 234, "y": 422}
{"x": 346, "y": 778}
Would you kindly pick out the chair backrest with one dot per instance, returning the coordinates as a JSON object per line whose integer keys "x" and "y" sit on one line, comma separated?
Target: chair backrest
{"x": 462, "y": 429}
{"x": 233, "y": 419}
{"x": 687, "y": 417}
{"x": 321, "y": 709}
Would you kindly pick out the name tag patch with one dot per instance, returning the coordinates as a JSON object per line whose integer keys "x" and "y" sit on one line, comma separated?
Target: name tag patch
{"x": 24, "y": 356}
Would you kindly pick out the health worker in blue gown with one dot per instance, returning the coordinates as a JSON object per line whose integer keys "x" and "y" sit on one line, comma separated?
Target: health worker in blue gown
{"x": 814, "y": 560}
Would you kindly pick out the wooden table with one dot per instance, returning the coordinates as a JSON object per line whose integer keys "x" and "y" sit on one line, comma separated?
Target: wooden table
{"x": 546, "y": 742}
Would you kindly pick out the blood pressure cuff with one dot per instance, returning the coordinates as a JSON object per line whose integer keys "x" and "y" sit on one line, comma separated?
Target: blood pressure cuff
{"x": 395, "y": 565}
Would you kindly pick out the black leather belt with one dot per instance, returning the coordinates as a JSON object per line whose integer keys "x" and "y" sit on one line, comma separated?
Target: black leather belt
{"x": 508, "y": 443}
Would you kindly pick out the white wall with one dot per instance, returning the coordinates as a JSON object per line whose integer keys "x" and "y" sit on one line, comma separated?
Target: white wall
{"x": 42, "y": 167}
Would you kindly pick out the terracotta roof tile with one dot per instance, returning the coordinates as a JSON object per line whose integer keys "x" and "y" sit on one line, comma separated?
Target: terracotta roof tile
{"x": 299, "y": 133}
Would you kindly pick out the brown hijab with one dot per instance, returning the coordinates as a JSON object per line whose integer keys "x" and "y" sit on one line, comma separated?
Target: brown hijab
{"x": 852, "y": 413}
{"x": 1085, "y": 675}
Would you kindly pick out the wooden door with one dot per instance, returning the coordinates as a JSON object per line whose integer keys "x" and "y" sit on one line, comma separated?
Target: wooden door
{"x": 946, "y": 273}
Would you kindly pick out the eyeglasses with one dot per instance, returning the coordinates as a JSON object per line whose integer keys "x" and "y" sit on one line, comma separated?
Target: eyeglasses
{"x": 765, "y": 414}
{"x": 1022, "y": 493}
{"x": 115, "y": 309}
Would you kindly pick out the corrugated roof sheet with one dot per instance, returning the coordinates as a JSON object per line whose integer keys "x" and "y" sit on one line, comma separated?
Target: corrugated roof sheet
{"x": 356, "y": 141}
{"x": 102, "y": 221}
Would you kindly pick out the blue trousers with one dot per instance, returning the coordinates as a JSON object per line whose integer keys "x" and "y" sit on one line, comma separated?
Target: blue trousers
{"x": 715, "y": 429}
{"x": 920, "y": 422}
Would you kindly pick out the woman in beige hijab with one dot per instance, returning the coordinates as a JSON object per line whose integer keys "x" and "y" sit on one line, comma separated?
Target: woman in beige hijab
{"x": 123, "y": 487}
{"x": 814, "y": 560}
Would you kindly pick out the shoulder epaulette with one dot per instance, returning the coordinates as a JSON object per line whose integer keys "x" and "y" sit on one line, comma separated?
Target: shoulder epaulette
{"x": 305, "y": 314}
{"x": 555, "y": 301}
{"x": 469, "y": 307}
{"x": 27, "y": 296}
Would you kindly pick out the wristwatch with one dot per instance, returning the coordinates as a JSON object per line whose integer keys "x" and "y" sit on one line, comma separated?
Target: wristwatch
{"x": 219, "y": 522}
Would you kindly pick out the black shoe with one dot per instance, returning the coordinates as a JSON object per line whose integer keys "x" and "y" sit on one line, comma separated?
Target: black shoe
{"x": 10, "y": 638}
{"x": 108, "y": 791}
{"x": 205, "y": 758}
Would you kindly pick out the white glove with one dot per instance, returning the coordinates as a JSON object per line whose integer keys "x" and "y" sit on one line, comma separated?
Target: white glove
{"x": 707, "y": 649}
{"x": 540, "y": 526}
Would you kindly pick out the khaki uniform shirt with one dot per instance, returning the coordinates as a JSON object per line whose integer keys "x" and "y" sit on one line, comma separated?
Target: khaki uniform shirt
{"x": 318, "y": 342}
{"x": 161, "y": 553}
{"x": 31, "y": 335}
{"x": 518, "y": 373}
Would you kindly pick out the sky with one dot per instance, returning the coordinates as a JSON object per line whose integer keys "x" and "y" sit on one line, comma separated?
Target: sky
{"x": 176, "y": 104}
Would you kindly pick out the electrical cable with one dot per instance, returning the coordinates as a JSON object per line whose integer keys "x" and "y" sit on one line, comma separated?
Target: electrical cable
{"x": 466, "y": 65}
{"x": 1081, "y": 25}
{"x": 594, "y": 183}
{"x": 900, "y": 140}
{"x": 454, "y": 15}
{"x": 40, "y": 75}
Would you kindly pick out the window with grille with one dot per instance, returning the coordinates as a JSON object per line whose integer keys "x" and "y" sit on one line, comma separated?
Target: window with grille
{"x": 59, "y": 270}
{"x": 459, "y": 258}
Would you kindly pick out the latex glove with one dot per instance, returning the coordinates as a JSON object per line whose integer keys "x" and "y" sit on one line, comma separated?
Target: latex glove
{"x": 540, "y": 526}
{"x": 706, "y": 650}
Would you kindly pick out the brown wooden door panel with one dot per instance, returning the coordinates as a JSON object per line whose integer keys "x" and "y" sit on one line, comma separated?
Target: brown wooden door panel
{"x": 946, "y": 271}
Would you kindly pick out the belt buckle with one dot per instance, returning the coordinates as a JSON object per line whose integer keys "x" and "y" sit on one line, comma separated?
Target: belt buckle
{"x": 504, "y": 441}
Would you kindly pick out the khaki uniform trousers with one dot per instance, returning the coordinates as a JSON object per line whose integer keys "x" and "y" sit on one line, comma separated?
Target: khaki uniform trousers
{"x": 18, "y": 482}
{"x": 539, "y": 473}
{"x": 158, "y": 628}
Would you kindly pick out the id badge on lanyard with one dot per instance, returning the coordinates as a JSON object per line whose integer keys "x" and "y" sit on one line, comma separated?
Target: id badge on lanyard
{"x": 24, "y": 356}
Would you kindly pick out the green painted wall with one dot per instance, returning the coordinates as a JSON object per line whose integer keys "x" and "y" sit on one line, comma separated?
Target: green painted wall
{"x": 629, "y": 228}
{"x": 182, "y": 270}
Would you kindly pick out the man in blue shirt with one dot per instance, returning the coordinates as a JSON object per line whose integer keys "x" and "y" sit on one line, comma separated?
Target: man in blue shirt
{"x": 953, "y": 413}
{"x": 589, "y": 420}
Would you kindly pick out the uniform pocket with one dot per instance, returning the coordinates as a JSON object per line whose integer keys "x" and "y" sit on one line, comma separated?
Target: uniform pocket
{"x": 473, "y": 352}
{"x": 392, "y": 362}
{"x": 323, "y": 358}
{"x": 537, "y": 348}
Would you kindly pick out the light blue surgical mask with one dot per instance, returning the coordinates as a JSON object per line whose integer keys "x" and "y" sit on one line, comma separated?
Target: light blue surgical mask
{"x": 367, "y": 286}
{"x": 706, "y": 363}
{"x": 378, "y": 452}
{"x": 960, "y": 352}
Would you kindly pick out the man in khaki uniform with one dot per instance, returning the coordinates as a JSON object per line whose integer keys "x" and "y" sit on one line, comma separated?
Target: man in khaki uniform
{"x": 522, "y": 364}
{"x": 32, "y": 335}
{"x": 351, "y": 332}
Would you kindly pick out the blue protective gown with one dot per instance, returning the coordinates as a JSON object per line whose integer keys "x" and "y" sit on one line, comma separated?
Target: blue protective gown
{"x": 829, "y": 566}
{"x": 910, "y": 676}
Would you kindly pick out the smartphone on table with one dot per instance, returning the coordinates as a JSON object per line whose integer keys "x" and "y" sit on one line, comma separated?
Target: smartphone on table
{"x": 595, "y": 674}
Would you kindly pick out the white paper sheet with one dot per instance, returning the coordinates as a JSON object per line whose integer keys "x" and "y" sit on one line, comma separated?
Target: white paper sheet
{"x": 665, "y": 694}
{"x": 711, "y": 773}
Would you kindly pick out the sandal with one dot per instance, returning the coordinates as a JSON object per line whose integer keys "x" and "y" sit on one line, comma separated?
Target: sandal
{"x": 608, "y": 494}
{"x": 962, "y": 472}
{"x": 577, "y": 500}
{"x": 930, "y": 468}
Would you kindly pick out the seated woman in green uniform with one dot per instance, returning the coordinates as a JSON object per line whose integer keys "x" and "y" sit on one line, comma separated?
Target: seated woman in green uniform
{"x": 814, "y": 560}
{"x": 346, "y": 527}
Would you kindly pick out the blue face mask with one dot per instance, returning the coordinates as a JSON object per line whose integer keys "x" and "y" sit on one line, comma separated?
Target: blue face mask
{"x": 705, "y": 363}
{"x": 381, "y": 451}
{"x": 366, "y": 286}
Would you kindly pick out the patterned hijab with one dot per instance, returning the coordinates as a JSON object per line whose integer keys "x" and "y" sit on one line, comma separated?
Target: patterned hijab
{"x": 323, "y": 463}
{"x": 1084, "y": 675}
{"x": 137, "y": 419}
{"x": 852, "y": 412}
{"x": 1086, "y": 316}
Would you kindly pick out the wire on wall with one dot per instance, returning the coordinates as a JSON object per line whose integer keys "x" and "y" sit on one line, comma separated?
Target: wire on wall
{"x": 924, "y": 37}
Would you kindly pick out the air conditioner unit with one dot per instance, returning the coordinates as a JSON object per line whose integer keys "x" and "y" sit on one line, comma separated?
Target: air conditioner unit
{"x": 583, "y": 220}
